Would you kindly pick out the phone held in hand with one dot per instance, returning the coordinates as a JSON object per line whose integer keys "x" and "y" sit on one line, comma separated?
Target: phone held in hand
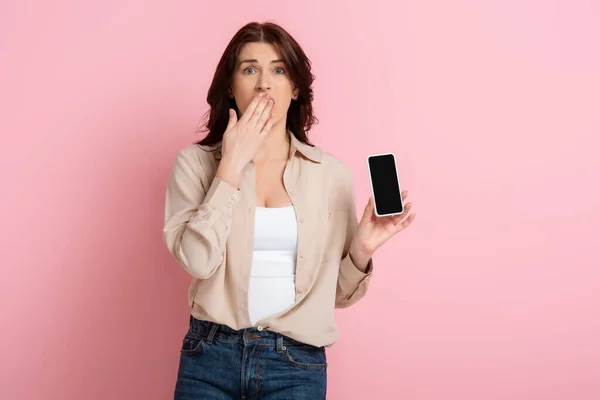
{"x": 385, "y": 184}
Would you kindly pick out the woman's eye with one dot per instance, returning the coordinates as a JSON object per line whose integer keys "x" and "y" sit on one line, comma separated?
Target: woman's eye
{"x": 251, "y": 70}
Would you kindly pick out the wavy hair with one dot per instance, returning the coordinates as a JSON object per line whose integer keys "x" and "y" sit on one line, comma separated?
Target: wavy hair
{"x": 300, "y": 115}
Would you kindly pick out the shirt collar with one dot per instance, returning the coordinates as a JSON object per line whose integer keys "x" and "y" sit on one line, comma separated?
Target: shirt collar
{"x": 313, "y": 153}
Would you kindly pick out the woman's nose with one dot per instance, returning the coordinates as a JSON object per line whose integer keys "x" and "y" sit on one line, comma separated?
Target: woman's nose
{"x": 263, "y": 85}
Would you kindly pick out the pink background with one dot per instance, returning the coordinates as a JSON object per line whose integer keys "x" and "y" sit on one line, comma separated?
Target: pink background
{"x": 492, "y": 109}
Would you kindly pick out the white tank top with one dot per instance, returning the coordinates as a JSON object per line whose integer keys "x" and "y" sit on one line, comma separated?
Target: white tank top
{"x": 272, "y": 279}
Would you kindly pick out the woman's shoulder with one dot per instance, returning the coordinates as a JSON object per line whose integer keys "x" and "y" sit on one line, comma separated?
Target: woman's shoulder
{"x": 197, "y": 160}
{"x": 336, "y": 166}
{"x": 339, "y": 181}
{"x": 198, "y": 153}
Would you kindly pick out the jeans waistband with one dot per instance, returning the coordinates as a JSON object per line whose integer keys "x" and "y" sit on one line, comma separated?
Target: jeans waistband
{"x": 211, "y": 330}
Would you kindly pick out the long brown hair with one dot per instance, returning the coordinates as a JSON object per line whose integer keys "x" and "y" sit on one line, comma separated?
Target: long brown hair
{"x": 300, "y": 116}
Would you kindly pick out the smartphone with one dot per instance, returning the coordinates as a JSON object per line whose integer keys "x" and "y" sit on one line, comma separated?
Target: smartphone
{"x": 385, "y": 185}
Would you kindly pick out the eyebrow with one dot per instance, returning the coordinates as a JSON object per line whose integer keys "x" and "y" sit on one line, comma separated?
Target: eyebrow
{"x": 255, "y": 60}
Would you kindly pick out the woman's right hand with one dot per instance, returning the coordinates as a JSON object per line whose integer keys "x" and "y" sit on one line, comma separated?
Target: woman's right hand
{"x": 243, "y": 137}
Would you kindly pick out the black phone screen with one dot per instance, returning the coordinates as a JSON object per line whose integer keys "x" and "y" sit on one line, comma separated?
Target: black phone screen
{"x": 385, "y": 184}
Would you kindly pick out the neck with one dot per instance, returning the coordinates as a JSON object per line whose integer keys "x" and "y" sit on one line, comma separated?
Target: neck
{"x": 276, "y": 145}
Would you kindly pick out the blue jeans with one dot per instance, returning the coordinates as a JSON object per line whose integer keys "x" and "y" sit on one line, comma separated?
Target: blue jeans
{"x": 217, "y": 362}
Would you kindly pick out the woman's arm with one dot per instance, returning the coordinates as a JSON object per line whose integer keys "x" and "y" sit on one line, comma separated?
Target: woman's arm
{"x": 356, "y": 265}
{"x": 363, "y": 238}
{"x": 197, "y": 218}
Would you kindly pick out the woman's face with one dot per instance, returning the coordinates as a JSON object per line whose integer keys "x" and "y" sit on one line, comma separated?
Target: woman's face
{"x": 260, "y": 69}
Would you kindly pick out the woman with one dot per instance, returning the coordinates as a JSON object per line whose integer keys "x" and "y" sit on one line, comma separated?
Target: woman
{"x": 265, "y": 223}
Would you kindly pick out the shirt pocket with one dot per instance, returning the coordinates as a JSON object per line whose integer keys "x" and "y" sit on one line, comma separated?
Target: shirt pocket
{"x": 335, "y": 233}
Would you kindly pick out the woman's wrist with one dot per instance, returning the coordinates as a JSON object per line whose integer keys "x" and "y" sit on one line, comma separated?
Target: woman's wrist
{"x": 360, "y": 255}
{"x": 229, "y": 172}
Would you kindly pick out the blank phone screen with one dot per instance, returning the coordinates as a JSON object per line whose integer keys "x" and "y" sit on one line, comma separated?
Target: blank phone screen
{"x": 386, "y": 188}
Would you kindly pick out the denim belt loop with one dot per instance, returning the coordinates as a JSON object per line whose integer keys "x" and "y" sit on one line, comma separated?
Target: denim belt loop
{"x": 279, "y": 343}
{"x": 211, "y": 334}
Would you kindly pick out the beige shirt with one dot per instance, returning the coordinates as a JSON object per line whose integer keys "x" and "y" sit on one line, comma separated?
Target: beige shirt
{"x": 209, "y": 228}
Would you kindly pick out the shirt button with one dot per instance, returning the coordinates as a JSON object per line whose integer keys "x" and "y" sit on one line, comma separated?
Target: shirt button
{"x": 301, "y": 219}
{"x": 291, "y": 190}
{"x": 233, "y": 197}
{"x": 301, "y": 290}
{"x": 301, "y": 255}
{"x": 260, "y": 328}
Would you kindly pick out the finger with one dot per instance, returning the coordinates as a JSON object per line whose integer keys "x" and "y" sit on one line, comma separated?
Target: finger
{"x": 251, "y": 107}
{"x": 258, "y": 111}
{"x": 404, "y": 224}
{"x": 369, "y": 210}
{"x": 266, "y": 114}
{"x": 400, "y": 217}
{"x": 267, "y": 128}
{"x": 232, "y": 119}
{"x": 404, "y": 194}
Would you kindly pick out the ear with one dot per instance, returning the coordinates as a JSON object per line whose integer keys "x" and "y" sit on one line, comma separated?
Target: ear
{"x": 295, "y": 93}
{"x": 230, "y": 93}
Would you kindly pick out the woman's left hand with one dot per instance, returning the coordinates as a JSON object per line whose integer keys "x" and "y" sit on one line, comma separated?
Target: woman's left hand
{"x": 373, "y": 231}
